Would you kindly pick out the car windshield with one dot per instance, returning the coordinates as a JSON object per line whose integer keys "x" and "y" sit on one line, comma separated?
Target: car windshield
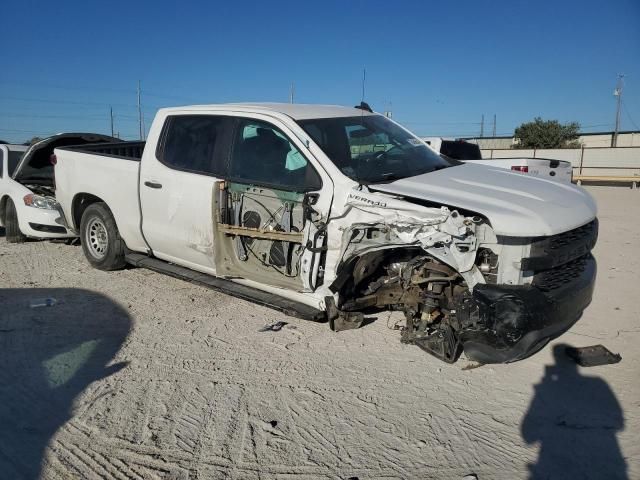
{"x": 373, "y": 149}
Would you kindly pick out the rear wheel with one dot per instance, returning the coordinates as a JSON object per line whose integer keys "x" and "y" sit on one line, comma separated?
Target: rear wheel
{"x": 101, "y": 242}
{"x": 13, "y": 233}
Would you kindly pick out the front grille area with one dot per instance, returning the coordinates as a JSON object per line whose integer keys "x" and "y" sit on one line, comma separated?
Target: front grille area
{"x": 577, "y": 235}
{"x": 560, "y": 276}
{"x": 551, "y": 252}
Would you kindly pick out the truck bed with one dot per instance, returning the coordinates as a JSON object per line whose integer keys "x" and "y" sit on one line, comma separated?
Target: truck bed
{"x": 108, "y": 171}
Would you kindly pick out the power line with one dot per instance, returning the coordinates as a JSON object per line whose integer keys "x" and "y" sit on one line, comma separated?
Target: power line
{"x": 69, "y": 117}
{"x": 626, "y": 111}
{"x": 91, "y": 88}
{"x": 99, "y": 89}
{"x": 68, "y": 102}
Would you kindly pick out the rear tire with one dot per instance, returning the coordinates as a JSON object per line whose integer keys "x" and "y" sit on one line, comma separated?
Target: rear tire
{"x": 12, "y": 228}
{"x": 101, "y": 242}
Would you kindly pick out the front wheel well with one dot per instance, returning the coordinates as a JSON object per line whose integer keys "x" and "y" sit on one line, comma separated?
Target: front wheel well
{"x": 3, "y": 208}
{"x": 79, "y": 204}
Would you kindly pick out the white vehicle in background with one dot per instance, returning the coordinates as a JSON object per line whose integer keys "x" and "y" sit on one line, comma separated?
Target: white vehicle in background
{"x": 28, "y": 207}
{"x": 329, "y": 212}
{"x": 464, "y": 151}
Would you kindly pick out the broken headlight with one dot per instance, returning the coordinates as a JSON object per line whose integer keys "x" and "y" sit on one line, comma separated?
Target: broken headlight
{"x": 38, "y": 201}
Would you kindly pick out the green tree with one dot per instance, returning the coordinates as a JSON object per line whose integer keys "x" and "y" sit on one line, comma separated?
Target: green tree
{"x": 34, "y": 140}
{"x": 547, "y": 134}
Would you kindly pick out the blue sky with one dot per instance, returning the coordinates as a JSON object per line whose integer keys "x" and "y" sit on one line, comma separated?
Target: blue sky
{"x": 439, "y": 65}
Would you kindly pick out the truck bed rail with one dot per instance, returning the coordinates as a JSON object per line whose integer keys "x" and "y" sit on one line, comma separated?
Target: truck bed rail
{"x": 126, "y": 150}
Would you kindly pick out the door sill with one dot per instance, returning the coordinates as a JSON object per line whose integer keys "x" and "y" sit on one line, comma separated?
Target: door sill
{"x": 289, "y": 307}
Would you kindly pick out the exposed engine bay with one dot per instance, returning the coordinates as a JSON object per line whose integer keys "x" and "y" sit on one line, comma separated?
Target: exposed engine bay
{"x": 426, "y": 290}
{"x": 458, "y": 285}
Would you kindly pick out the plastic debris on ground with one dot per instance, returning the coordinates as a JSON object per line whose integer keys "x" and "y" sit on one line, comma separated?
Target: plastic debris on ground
{"x": 273, "y": 327}
{"x": 592, "y": 356}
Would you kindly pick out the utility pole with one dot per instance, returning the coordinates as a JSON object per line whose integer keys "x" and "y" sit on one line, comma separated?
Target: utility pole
{"x": 617, "y": 93}
{"x": 292, "y": 91}
{"x": 140, "y": 114}
{"x": 482, "y": 126}
{"x": 493, "y": 133}
{"x": 111, "y": 115}
{"x": 364, "y": 79}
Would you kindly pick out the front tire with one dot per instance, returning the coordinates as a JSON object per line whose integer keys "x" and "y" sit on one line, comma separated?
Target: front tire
{"x": 101, "y": 242}
{"x": 12, "y": 228}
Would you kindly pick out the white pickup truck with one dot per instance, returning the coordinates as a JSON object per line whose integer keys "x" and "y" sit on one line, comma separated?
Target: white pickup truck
{"x": 458, "y": 149}
{"x": 330, "y": 213}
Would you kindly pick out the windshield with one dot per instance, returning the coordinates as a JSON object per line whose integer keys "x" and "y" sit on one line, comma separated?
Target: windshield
{"x": 460, "y": 150}
{"x": 372, "y": 149}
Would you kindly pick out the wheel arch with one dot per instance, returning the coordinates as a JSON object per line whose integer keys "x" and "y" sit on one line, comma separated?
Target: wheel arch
{"x": 3, "y": 207}
{"x": 79, "y": 204}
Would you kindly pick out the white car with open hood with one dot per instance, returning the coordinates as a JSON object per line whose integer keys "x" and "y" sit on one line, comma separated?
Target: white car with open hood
{"x": 330, "y": 213}
{"x": 28, "y": 207}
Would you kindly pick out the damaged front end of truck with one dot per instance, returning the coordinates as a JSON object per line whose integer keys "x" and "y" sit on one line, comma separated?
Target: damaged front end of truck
{"x": 460, "y": 286}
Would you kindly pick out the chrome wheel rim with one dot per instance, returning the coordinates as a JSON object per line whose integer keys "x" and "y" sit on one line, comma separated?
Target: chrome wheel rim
{"x": 97, "y": 238}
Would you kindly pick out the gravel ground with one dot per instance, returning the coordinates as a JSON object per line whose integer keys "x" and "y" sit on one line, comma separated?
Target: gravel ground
{"x": 136, "y": 375}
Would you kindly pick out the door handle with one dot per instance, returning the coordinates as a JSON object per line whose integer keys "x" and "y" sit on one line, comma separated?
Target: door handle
{"x": 153, "y": 184}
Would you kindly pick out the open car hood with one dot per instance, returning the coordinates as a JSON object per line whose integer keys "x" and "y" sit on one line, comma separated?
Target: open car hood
{"x": 35, "y": 162}
{"x": 516, "y": 205}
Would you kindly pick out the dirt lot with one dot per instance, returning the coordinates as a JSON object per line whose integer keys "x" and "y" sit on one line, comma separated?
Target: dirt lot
{"x": 135, "y": 375}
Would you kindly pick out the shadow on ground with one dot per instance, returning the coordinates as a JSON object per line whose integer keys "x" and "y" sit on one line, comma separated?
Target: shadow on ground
{"x": 2, "y": 232}
{"x": 48, "y": 356}
{"x": 574, "y": 418}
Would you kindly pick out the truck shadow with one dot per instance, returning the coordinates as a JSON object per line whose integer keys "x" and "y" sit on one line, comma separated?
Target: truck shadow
{"x": 53, "y": 344}
{"x": 574, "y": 418}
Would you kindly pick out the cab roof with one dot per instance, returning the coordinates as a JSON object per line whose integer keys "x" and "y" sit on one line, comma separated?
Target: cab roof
{"x": 297, "y": 111}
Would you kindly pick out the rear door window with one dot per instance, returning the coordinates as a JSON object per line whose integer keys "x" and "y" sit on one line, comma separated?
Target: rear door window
{"x": 195, "y": 143}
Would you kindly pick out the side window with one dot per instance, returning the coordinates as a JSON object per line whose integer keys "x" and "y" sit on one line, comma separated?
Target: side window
{"x": 12, "y": 161}
{"x": 1, "y": 163}
{"x": 263, "y": 155}
{"x": 194, "y": 143}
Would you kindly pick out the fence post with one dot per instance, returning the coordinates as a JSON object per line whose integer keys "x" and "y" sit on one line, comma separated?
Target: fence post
{"x": 581, "y": 158}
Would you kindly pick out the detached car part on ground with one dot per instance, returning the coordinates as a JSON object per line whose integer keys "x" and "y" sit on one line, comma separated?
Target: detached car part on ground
{"x": 331, "y": 213}
{"x": 28, "y": 207}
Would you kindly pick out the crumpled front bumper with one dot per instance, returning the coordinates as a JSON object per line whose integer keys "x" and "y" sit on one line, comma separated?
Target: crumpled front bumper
{"x": 510, "y": 323}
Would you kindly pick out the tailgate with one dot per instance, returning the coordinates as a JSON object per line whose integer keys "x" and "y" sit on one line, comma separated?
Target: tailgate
{"x": 549, "y": 168}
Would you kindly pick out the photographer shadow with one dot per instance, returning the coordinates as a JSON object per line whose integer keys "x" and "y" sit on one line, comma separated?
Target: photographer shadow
{"x": 574, "y": 418}
{"x": 53, "y": 344}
